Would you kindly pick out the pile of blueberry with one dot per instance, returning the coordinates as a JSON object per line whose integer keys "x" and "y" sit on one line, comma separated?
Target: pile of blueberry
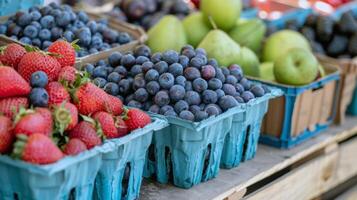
{"x": 42, "y": 26}
{"x": 187, "y": 84}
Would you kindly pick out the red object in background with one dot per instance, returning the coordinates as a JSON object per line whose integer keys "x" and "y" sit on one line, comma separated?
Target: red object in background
{"x": 196, "y": 3}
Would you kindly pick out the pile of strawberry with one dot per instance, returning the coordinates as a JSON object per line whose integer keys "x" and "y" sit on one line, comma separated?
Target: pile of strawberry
{"x": 72, "y": 115}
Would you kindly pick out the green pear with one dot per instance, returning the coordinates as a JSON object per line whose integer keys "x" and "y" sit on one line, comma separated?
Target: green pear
{"x": 281, "y": 41}
{"x": 223, "y": 12}
{"x": 196, "y": 28}
{"x": 167, "y": 34}
{"x": 220, "y": 46}
{"x": 249, "y": 33}
{"x": 248, "y": 61}
{"x": 267, "y": 71}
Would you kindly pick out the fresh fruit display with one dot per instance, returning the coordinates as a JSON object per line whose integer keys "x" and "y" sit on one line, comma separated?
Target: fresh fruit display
{"x": 186, "y": 85}
{"x": 42, "y": 26}
{"x": 49, "y": 110}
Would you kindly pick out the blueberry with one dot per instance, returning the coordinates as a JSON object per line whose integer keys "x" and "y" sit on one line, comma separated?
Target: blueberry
{"x": 124, "y": 86}
{"x": 266, "y": 89}
{"x": 176, "y": 69}
{"x": 54, "y": 5}
{"x": 209, "y": 96}
{"x": 194, "y": 108}
{"x": 47, "y": 21}
{"x": 24, "y": 19}
{"x": 139, "y": 82}
{"x": 162, "y": 98}
{"x": 184, "y": 61}
{"x": 82, "y": 16}
{"x": 100, "y": 82}
{"x": 152, "y": 87}
{"x": 152, "y": 75}
{"x": 196, "y": 62}
{"x": 213, "y": 109}
{"x": 203, "y": 58}
{"x": 229, "y": 89}
{"x": 127, "y": 60}
{"x": 135, "y": 70}
{"x": 111, "y": 88}
{"x": 208, "y": 72}
{"x": 3, "y": 29}
{"x": 156, "y": 57}
{"x": 110, "y": 35}
{"x": 239, "y": 98}
{"x": 56, "y": 33}
{"x": 192, "y": 73}
{"x": 190, "y": 53}
{"x": 161, "y": 67}
{"x": 186, "y": 115}
{"x": 69, "y": 36}
{"x": 154, "y": 109}
{"x": 201, "y": 115}
{"x": 220, "y": 75}
{"x": 100, "y": 71}
{"x": 92, "y": 25}
{"x": 45, "y": 10}
{"x": 231, "y": 79}
{"x": 96, "y": 42}
{"x": 180, "y": 80}
{"x": 199, "y": 85}
{"x": 187, "y": 46}
{"x": 14, "y": 30}
{"x": 146, "y": 66}
{"x": 39, "y": 79}
{"x": 170, "y": 57}
{"x": 201, "y": 51}
{"x": 247, "y": 96}
{"x": 220, "y": 93}
{"x": 45, "y": 34}
{"x": 123, "y": 38}
{"x": 93, "y": 51}
{"x": 213, "y": 62}
{"x": 142, "y": 50}
{"x": 214, "y": 84}
{"x": 88, "y": 68}
{"x": 226, "y": 102}
{"x": 135, "y": 104}
{"x": 114, "y": 77}
{"x": 36, "y": 42}
{"x": 177, "y": 92}
{"x": 82, "y": 53}
{"x": 84, "y": 36}
{"x": 77, "y": 25}
{"x": 105, "y": 46}
{"x": 192, "y": 98}
{"x": 239, "y": 88}
{"x": 236, "y": 71}
{"x": 101, "y": 62}
{"x": 166, "y": 80}
{"x": 245, "y": 83}
{"x": 63, "y": 19}
{"x": 225, "y": 71}
{"x": 180, "y": 106}
{"x": 36, "y": 15}
{"x": 141, "y": 59}
{"x": 166, "y": 108}
{"x": 257, "y": 90}
{"x": 129, "y": 98}
{"x": 170, "y": 113}
{"x": 121, "y": 71}
{"x": 25, "y": 40}
{"x": 38, "y": 97}
{"x": 141, "y": 95}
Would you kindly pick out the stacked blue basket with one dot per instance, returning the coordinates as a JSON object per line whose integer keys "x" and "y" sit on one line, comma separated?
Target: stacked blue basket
{"x": 8, "y": 7}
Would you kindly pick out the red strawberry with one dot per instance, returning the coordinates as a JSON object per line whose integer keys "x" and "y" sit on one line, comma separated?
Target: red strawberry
{"x": 114, "y": 105}
{"x": 57, "y": 93}
{"x": 28, "y": 122}
{"x": 122, "y": 128}
{"x": 136, "y": 118}
{"x": 67, "y": 74}
{"x": 89, "y": 99}
{"x": 37, "y": 149}
{"x": 12, "y": 54}
{"x": 39, "y": 61}
{"x": 47, "y": 115}
{"x": 10, "y": 106}
{"x": 12, "y": 84}
{"x": 66, "y": 52}
{"x": 66, "y": 116}
{"x": 86, "y": 132}
{"x": 74, "y": 147}
{"x": 6, "y": 136}
{"x": 107, "y": 124}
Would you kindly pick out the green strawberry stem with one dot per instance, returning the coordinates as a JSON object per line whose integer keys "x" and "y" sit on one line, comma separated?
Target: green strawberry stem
{"x": 19, "y": 146}
{"x": 62, "y": 118}
{"x": 125, "y": 113}
{"x": 22, "y": 112}
{"x": 75, "y": 46}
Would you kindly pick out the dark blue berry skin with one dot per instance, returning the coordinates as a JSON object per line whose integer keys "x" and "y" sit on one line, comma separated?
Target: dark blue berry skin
{"x": 180, "y": 80}
{"x": 176, "y": 69}
{"x": 196, "y": 62}
{"x": 100, "y": 82}
{"x": 162, "y": 98}
{"x": 127, "y": 60}
{"x": 203, "y": 58}
{"x": 35, "y": 15}
{"x": 3, "y": 29}
{"x": 112, "y": 88}
{"x": 184, "y": 61}
{"x": 213, "y": 62}
{"x": 187, "y": 46}
{"x": 121, "y": 71}
{"x": 63, "y": 19}
{"x": 229, "y": 89}
{"x": 141, "y": 95}
{"x": 146, "y": 66}
{"x": 220, "y": 93}
{"x": 236, "y": 71}
{"x": 135, "y": 104}
{"x": 231, "y": 79}
{"x": 201, "y": 115}
{"x": 225, "y": 71}
{"x": 192, "y": 73}
{"x": 109, "y": 69}
{"x": 190, "y": 53}
{"x": 239, "y": 98}
{"x": 14, "y": 30}
{"x": 188, "y": 86}
{"x": 199, "y": 85}
{"x": 100, "y": 71}
{"x": 25, "y": 40}
{"x": 101, "y": 63}
{"x": 142, "y": 50}
{"x": 89, "y": 68}
{"x": 129, "y": 98}
{"x": 154, "y": 109}
{"x": 45, "y": 34}
{"x": 135, "y": 70}
{"x": 69, "y": 36}
{"x": 139, "y": 82}
{"x": 97, "y": 43}
{"x": 194, "y": 108}
{"x": 123, "y": 38}
{"x": 209, "y": 96}
{"x": 208, "y": 72}
{"x": 170, "y": 57}
{"x": 93, "y": 51}
{"x": 46, "y": 44}
{"x": 114, "y": 77}
{"x": 166, "y": 108}
{"x": 56, "y": 33}
{"x": 92, "y": 25}
{"x": 124, "y": 86}
{"x": 170, "y": 113}
{"x": 153, "y": 87}
{"x": 213, "y": 109}
{"x": 31, "y": 31}
{"x": 257, "y": 90}
{"x": 177, "y": 92}
{"x": 47, "y": 21}
{"x": 187, "y": 115}
{"x": 38, "y": 97}
{"x": 152, "y": 75}
{"x": 161, "y": 67}
{"x": 247, "y": 96}
{"x": 201, "y": 51}
{"x": 156, "y": 57}
{"x": 39, "y": 79}
{"x": 141, "y": 59}
{"x": 239, "y": 88}
{"x": 82, "y": 16}
{"x": 166, "y": 80}
{"x": 227, "y": 102}
{"x": 215, "y": 84}
{"x": 245, "y": 83}
{"x": 220, "y": 75}
{"x": 109, "y": 35}
{"x": 36, "y": 42}
{"x": 84, "y": 36}
{"x": 147, "y": 105}
{"x": 24, "y": 19}
{"x": 180, "y": 106}
{"x": 192, "y": 98}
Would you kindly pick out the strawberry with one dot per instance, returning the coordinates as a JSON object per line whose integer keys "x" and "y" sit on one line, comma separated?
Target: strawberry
{"x": 122, "y": 128}
{"x": 67, "y": 75}
{"x": 66, "y": 116}
{"x": 107, "y": 124}
{"x": 6, "y": 136}
{"x": 36, "y": 149}
{"x": 12, "y": 54}
{"x": 57, "y": 93}
{"x": 66, "y": 52}
{"x": 136, "y": 118}
{"x": 114, "y": 105}
{"x": 12, "y": 84}
{"x": 39, "y": 61}
{"x": 29, "y": 122}
{"x": 74, "y": 147}
{"x": 86, "y": 132}
{"x": 47, "y": 115}
{"x": 10, "y": 106}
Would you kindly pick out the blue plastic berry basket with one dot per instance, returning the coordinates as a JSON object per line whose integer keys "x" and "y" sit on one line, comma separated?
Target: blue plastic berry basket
{"x": 241, "y": 142}
{"x": 8, "y": 7}
{"x": 249, "y": 13}
{"x": 297, "y": 14}
{"x": 302, "y": 112}
{"x": 189, "y": 152}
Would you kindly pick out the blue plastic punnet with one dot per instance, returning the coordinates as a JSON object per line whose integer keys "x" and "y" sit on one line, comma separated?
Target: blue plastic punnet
{"x": 8, "y": 7}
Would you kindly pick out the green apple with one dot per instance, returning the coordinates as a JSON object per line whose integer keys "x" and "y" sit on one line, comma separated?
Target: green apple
{"x": 296, "y": 67}
{"x": 280, "y": 42}
{"x": 248, "y": 61}
{"x": 267, "y": 71}
{"x": 224, "y": 13}
{"x": 196, "y": 28}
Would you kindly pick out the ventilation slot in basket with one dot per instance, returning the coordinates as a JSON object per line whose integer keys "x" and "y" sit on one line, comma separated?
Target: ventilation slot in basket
{"x": 207, "y": 159}
{"x": 168, "y": 164}
{"x": 152, "y": 153}
{"x": 246, "y": 142}
{"x": 125, "y": 180}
